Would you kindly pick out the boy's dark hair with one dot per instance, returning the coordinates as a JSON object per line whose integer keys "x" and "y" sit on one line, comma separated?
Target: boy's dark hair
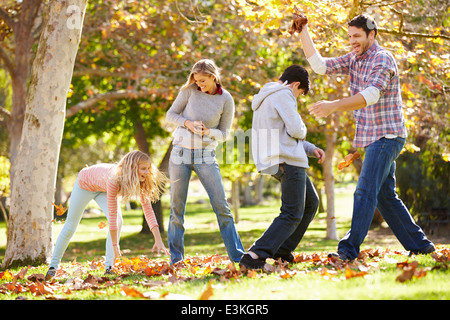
{"x": 365, "y": 22}
{"x": 296, "y": 73}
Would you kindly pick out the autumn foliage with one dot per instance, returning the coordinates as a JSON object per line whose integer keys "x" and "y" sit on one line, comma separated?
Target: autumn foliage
{"x": 157, "y": 273}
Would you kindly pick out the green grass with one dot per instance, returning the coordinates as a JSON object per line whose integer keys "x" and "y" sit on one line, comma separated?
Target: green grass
{"x": 203, "y": 239}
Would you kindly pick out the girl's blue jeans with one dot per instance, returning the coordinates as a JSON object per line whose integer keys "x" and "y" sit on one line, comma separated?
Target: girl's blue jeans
{"x": 376, "y": 189}
{"x": 79, "y": 199}
{"x": 203, "y": 161}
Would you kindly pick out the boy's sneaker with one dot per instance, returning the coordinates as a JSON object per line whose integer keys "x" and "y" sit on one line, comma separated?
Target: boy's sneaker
{"x": 289, "y": 258}
{"x": 50, "y": 273}
{"x": 334, "y": 256}
{"x": 427, "y": 250}
{"x": 248, "y": 262}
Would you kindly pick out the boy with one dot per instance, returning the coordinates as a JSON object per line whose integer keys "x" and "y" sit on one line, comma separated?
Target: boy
{"x": 279, "y": 149}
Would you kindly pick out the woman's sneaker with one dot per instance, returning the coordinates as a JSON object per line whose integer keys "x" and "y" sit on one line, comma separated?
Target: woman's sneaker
{"x": 50, "y": 273}
{"x": 248, "y": 262}
{"x": 289, "y": 258}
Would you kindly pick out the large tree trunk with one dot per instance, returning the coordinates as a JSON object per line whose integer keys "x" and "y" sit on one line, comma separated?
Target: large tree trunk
{"x": 30, "y": 228}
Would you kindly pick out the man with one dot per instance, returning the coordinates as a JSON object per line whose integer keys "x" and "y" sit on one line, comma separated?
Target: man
{"x": 279, "y": 149}
{"x": 380, "y": 129}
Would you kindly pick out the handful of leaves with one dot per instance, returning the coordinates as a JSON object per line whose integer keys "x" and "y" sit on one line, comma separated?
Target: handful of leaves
{"x": 299, "y": 21}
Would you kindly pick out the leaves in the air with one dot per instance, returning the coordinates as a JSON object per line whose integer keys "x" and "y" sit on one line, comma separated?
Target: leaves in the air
{"x": 348, "y": 160}
{"x": 60, "y": 210}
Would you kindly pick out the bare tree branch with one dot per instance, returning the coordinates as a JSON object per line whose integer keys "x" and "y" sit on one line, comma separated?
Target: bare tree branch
{"x": 92, "y": 102}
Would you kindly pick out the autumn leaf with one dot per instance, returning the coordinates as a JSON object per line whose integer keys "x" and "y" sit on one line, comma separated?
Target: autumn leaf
{"x": 348, "y": 160}
{"x": 60, "y": 210}
{"x": 131, "y": 292}
{"x": 102, "y": 224}
{"x": 209, "y": 291}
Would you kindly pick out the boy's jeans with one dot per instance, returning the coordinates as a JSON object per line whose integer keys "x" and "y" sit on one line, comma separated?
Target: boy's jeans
{"x": 376, "y": 189}
{"x": 79, "y": 199}
{"x": 299, "y": 203}
{"x": 203, "y": 162}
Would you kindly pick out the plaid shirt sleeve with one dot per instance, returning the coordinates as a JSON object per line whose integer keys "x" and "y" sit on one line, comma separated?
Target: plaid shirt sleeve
{"x": 339, "y": 65}
{"x": 382, "y": 72}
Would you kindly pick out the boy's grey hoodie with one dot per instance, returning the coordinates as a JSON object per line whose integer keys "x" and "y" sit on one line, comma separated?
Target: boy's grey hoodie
{"x": 278, "y": 130}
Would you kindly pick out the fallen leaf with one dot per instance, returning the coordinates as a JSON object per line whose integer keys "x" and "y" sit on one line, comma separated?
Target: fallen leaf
{"x": 209, "y": 291}
{"x": 131, "y": 292}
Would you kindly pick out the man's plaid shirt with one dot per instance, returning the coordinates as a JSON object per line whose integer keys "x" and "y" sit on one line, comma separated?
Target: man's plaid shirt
{"x": 377, "y": 68}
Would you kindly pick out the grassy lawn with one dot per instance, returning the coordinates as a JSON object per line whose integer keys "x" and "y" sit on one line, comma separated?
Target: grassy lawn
{"x": 311, "y": 278}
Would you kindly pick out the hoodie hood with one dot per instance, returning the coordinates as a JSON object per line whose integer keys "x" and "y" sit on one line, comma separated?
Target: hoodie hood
{"x": 269, "y": 89}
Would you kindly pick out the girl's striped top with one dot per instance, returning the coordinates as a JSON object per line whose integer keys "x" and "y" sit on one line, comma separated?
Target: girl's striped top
{"x": 97, "y": 179}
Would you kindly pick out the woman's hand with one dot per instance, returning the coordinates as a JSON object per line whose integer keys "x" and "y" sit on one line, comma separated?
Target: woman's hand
{"x": 196, "y": 127}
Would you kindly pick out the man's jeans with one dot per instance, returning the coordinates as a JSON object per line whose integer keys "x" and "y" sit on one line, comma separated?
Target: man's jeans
{"x": 376, "y": 189}
{"x": 79, "y": 199}
{"x": 299, "y": 203}
{"x": 203, "y": 162}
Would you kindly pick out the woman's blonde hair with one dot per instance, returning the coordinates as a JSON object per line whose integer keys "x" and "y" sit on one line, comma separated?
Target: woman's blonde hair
{"x": 205, "y": 66}
{"x": 126, "y": 177}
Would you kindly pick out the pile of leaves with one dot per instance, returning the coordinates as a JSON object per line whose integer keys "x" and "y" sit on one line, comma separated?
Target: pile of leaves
{"x": 157, "y": 273}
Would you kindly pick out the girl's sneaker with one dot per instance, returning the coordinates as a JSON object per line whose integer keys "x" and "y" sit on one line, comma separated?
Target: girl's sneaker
{"x": 109, "y": 270}
{"x": 50, "y": 273}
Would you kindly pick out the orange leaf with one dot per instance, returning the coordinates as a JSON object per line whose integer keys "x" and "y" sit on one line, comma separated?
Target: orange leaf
{"x": 60, "y": 210}
{"x": 348, "y": 160}
{"x": 131, "y": 292}
{"x": 102, "y": 224}
{"x": 208, "y": 292}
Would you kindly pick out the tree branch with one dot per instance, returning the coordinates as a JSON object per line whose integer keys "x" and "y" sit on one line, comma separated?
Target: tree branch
{"x": 413, "y": 34}
{"x": 91, "y": 102}
{"x": 8, "y": 20}
{"x": 7, "y": 62}
{"x": 5, "y": 113}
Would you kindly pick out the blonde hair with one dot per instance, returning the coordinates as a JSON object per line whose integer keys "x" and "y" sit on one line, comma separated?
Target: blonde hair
{"x": 205, "y": 66}
{"x": 126, "y": 177}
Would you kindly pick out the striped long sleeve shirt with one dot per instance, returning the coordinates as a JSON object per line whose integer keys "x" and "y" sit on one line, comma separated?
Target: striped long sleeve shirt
{"x": 97, "y": 179}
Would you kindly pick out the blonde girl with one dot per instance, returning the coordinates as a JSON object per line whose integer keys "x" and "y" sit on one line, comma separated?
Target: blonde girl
{"x": 133, "y": 177}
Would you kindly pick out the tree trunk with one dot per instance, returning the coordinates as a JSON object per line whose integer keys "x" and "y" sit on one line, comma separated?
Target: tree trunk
{"x": 19, "y": 72}
{"x": 157, "y": 206}
{"x": 29, "y": 238}
{"x": 331, "y": 136}
{"x": 235, "y": 199}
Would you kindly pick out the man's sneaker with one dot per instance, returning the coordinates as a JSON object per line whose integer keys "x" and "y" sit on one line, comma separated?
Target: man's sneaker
{"x": 50, "y": 273}
{"x": 285, "y": 258}
{"x": 248, "y": 262}
{"x": 334, "y": 256}
{"x": 427, "y": 250}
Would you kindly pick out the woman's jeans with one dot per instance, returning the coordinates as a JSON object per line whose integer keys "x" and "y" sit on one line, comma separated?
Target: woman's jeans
{"x": 79, "y": 199}
{"x": 376, "y": 189}
{"x": 299, "y": 203}
{"x": 203, "y": 162}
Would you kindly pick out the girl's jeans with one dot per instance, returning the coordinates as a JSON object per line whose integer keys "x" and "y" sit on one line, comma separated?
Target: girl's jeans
{"x": 299, "y": 203}
{"x": 376, "y": 189}
{"x": 203, "y": 162}
{"x": 78, "y": 202}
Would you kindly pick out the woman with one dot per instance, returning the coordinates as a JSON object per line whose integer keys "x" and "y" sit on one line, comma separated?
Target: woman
{"x": 203, "y": 111}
